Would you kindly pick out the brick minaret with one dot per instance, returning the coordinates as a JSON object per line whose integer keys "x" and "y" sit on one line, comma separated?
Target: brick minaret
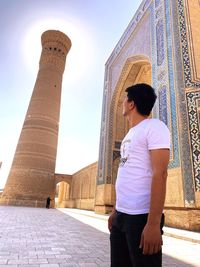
{"x": 31, "y": 177}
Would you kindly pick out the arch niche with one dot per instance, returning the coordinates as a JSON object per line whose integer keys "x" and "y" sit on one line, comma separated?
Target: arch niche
{"x": 137, "y": 69}
{"x": 62, "y": 194}
{"x": 62, "y": 189}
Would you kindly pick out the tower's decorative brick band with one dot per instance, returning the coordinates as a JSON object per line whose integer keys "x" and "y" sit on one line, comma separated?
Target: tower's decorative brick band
{"x": 31, "y": 178}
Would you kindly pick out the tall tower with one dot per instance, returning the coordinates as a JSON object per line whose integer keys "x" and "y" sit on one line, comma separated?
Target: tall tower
{"x": 31, "y": 178}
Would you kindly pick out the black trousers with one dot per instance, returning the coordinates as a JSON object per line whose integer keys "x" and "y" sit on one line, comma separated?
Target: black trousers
{"x": 125, "y": 240}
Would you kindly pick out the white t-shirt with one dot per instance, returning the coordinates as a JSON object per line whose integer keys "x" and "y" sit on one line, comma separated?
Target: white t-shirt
{"x": 133, "y": 184}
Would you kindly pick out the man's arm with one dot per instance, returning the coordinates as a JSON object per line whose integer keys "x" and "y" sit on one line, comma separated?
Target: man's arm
{"x": 110, "y": 219}
{"x": 151, "y": 239}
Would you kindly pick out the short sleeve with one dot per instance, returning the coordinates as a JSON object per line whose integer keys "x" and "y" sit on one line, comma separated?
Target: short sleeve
{"x": 158, "y": 136}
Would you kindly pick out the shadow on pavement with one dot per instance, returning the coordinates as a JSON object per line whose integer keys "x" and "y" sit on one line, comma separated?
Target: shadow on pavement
{"x": 168, "y": 261}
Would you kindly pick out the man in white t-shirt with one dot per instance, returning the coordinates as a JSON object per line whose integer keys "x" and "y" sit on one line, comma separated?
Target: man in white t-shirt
{"x": 136, "y": 221}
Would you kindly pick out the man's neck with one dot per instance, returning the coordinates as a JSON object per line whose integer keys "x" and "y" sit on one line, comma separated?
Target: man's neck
{"x": 136, "y": 119}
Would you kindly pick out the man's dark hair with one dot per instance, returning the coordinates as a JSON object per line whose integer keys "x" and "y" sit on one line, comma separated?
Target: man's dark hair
{"x": 144, "y": 97}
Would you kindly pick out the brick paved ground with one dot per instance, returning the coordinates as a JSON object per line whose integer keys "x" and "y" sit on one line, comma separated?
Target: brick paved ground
{"x": 35, "y": 237}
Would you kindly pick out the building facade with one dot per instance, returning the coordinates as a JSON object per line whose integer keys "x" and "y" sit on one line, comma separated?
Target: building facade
{"x": 160, "y": 47}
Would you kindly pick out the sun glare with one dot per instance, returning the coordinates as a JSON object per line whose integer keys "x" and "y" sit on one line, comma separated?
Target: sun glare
{"x": 78, "y": 54}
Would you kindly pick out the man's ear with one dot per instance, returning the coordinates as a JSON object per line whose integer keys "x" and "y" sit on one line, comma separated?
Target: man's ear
{"x": 132, "y": 104}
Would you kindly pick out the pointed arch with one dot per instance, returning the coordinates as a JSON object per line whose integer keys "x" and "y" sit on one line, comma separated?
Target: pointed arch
{"x": 136, "y": 69}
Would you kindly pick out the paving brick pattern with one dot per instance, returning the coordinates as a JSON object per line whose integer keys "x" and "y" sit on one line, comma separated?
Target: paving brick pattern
{"x": 40, "y": 237}
{"x": 36, "y": 237}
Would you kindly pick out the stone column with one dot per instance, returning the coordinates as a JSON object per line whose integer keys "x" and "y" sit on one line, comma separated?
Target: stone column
{"x": 31, "y": 178}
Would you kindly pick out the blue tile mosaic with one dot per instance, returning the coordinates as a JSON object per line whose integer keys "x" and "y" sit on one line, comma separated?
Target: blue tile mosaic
{"x": 160, "y": 42}
{"x": 185, "y": 49}
{"x": 184, "y": 142}
{"x": 191, "y": 97}
{"x": 157, "y": 2}
{"x": 163, "y": 104}
{"x": 195, "y": 134}
{"x": 165, "y": 76}
{"x": 176, "y": 161}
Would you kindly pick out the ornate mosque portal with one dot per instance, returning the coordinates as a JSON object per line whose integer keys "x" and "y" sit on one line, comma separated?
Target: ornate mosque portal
{"x": 161, "y": 47}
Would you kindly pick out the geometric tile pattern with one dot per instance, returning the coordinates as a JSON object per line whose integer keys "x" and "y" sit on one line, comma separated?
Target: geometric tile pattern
{"x": 184, "y": 138}
{"x": 160, "y": 42}
{"x": 185, "y": 49}
{"x": 163, "y": 104}
{"x": 172, "y": 87}
{"x": 191, "y": 98}
{"x": 102, "y": 149}
{"x": 157, "y": 2}
{"x": 195, "y": 135}
{"x": 163, "y": 74}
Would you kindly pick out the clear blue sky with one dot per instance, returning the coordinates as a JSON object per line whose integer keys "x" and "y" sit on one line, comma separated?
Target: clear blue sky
{"x": 94, "y": 27}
